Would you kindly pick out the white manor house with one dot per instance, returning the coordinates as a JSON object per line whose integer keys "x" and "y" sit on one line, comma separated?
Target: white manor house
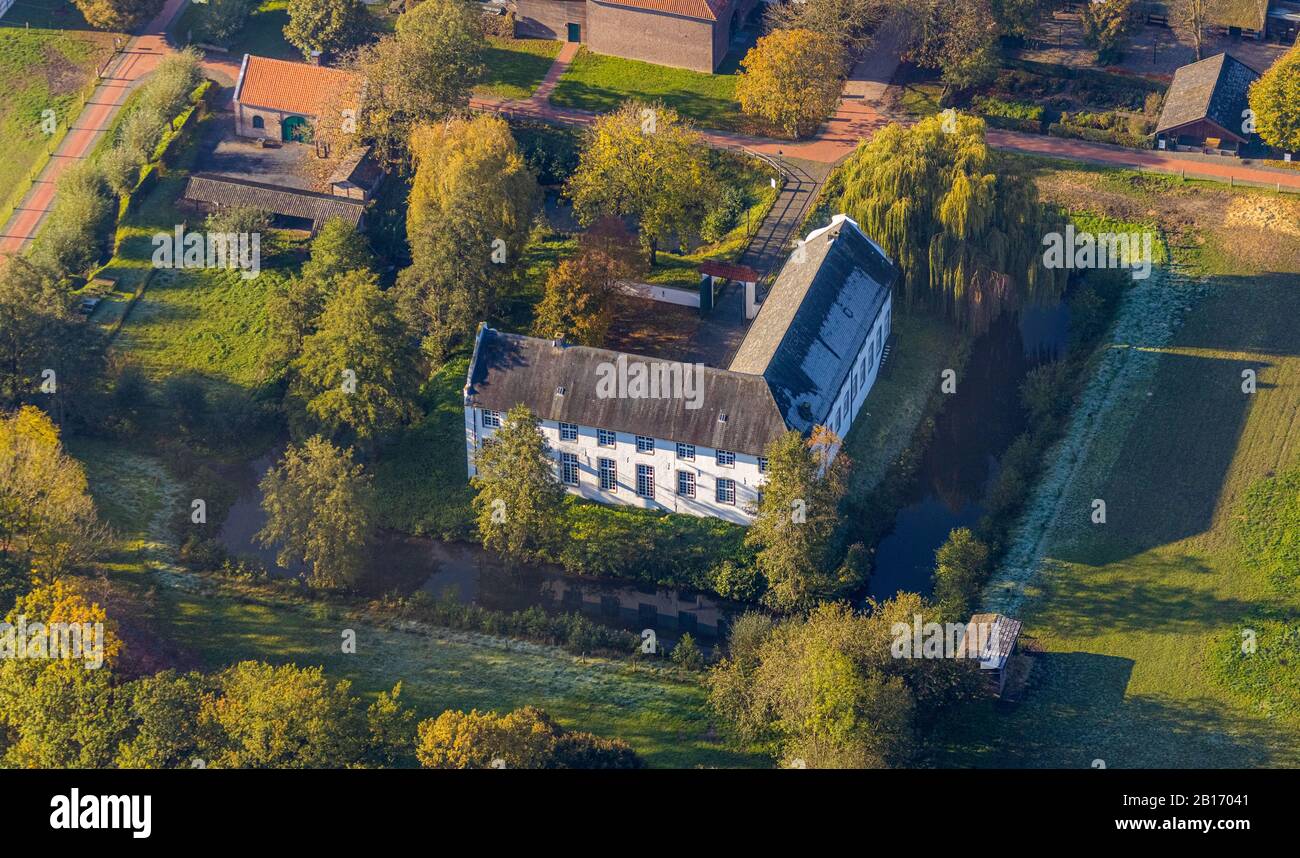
{"x": 692, "y": 438}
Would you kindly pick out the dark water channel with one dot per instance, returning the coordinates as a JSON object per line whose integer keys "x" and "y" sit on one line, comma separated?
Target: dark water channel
{"x": 970, "y": 434}
{"x": 404, "y": 564}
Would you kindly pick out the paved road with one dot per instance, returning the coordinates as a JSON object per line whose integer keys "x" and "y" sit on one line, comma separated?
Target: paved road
{"x": 139, "y": 57}
{"x": 1223, "y": 169}
{"x": 771, "y": 241}
{"x": 866, "y": 107}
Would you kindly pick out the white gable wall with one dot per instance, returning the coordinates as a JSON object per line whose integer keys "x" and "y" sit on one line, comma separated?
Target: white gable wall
{"x": 664, "y": 460}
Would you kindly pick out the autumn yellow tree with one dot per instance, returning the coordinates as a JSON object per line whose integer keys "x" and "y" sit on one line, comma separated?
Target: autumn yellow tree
{"x": 48, "y": 523}
{"x": 523, "y": 739}
{"x": 1275, "y": 98}
{"x": 468, "y": 218}
{"x": 121, "y": 15}
{"x": 644, "y": 162}
{"x": 792, "y": 79}
{"x": 422, "y": 72}
{"x": 58, "y": 710}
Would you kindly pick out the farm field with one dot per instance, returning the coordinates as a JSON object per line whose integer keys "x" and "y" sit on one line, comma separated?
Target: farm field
{"x": 47, "y": 67}
{"x": 1134, "y": 616}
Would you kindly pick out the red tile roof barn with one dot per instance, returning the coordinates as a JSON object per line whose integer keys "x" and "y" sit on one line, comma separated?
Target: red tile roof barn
{"x": 706, "y": 10}
{"x": 289, "y": 86}
{"x": 730, "y": 271}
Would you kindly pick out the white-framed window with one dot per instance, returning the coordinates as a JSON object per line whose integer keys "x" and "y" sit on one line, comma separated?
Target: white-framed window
{"x": 491, "y": 419}
{"x": 645, "y": 480}
{"x": 608, "y": 471}
{"x": 686, "y": 451}
{"x": 726, "y": 491}
{"x": 569, "y": 469}
{"x": 762, "y": 464}
{"x": 685, "y": 484}
{"x": 726, "y": 459}
{"x": 605, "y": 437}
{"x": 568, "y": 431}
{"x": 645, "y": 444}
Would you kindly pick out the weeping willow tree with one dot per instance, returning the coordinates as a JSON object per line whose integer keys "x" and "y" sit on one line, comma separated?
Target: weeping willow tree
{"x": 965, "y": 227}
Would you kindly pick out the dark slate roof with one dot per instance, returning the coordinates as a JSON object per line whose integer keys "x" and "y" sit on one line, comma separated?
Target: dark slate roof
{"x": 225, "y": 191}
{"x": 359, "y": 169}
{"x": 1000, "y": 644}
{"x": 816, "y": 318}
{"x": 508, "y": 369}
{"x": 1214, "y": 89}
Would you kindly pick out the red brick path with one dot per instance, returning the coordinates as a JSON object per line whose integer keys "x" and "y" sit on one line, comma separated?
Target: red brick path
{"x": 138, "y": 59}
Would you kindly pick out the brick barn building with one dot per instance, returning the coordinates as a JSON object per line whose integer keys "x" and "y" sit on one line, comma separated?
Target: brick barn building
{"x": 689, "y": 34}
{"x": 281, "y": 100}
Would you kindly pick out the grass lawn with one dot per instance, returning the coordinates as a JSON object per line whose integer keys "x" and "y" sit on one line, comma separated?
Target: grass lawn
{"x": 214, "y": 623}
{"x": 515, "y": 67}
{"x": 599, "y": 83}
{"x": 43, "y": 69}
{"x": 920, "y": 99}
{"x": 923, "y": 346}
{"x": 1134, "y": 614}
{"x": 208, "y": 322}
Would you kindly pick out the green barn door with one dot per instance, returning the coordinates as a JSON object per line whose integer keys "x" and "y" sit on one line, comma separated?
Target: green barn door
{"x": 295, "y": 128}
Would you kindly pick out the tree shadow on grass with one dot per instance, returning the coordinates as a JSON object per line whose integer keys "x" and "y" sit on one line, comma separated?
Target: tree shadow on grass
{"x": 705, "y": 111}
{"x": 44, "y": 14}
{"x": 1083, "y": 602}
{"x": 1077, "y": 712}
{"x": 1166, "y": 480}
{"x": 1255, "y": 314}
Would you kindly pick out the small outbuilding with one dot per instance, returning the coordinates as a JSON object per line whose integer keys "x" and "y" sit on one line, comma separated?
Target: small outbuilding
{"x": 1206, "y": 109}
{"x": 992, "y": 639}
{"x": 282, "y": 100}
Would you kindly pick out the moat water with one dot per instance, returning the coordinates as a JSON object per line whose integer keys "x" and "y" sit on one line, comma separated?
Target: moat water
{"x": 404, "y": 564}
{"x": 970, "y": 434}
